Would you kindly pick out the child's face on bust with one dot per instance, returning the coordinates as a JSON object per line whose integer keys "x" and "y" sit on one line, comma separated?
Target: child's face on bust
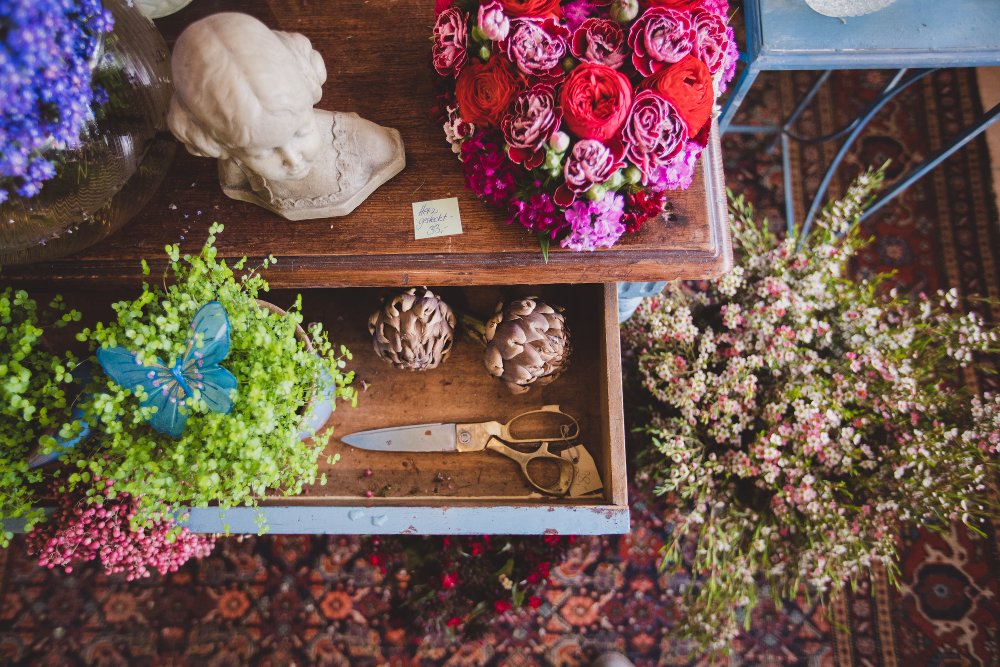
{"x": 284, "y": 148}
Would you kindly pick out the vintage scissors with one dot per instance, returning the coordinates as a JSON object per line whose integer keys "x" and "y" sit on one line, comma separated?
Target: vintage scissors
{"x": 542, "y": 428}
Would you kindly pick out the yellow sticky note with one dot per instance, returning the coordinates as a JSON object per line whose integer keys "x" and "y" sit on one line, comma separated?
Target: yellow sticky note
{"x": 438, "y": 217}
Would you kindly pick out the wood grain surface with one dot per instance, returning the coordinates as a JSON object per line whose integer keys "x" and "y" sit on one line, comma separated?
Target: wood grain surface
{"x": 378, "y": 58}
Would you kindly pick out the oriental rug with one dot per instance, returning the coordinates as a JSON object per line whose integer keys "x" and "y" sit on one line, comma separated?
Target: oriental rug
{"x": 301, "y": 600}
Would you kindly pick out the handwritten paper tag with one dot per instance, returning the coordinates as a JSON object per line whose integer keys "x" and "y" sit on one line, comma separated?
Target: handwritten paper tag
{"x": 439, "y": 217}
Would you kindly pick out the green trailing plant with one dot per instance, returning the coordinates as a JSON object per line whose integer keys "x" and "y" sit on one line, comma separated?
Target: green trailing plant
{"x": 225, "y": 459}
{"x": 801, "y": 418}
{"x": 36, "y": 394}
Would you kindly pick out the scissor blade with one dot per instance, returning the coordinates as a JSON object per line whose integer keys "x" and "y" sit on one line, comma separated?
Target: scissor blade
{"x": 416, "y": 438}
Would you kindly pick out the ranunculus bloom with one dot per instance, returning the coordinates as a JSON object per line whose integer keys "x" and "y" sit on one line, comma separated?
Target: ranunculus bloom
{"x": 599, "y": 41}
{"x": 450, "y": 41}
{"x": 588, "y": 163}
{"x": 595, "y": 100}
{"x": 484, "y": 90}
{"x": 654, "y": 133}
{"x": 688, "y": 86}
{"x": 532, "y": 119}
{"x": 712, "y": 41}
{"x": 535, "y": 8}
{"x": 537, "y": 47}
{"x": 686, "y": 5}
{"x": 660, "y": 37}
{"x": 493, "y": 23}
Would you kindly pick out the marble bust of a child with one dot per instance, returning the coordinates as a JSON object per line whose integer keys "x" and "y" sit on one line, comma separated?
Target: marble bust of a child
{"x": 245, "y": 93}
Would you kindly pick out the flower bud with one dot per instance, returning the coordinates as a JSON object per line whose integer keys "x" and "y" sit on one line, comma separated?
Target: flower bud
{"x": 568, "y": 63}
{"x": 559, "y": 142}
{"x": 484, "y": 53}
{"x": 597, "y": 193}
{"x": 552, "y": 160}
{"x": 616, "y": 181}
{"x": 492, "y": 22}
{"x": 624, "y": 11}
{"x": 633, "y": 175}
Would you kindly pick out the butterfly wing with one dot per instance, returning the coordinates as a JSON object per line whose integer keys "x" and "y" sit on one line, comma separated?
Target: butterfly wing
{"x": 161, "y": 387}
{"x": 200, "y": 365}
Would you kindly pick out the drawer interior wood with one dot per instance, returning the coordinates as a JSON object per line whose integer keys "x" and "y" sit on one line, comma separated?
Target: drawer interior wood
{"x": 461, "y": 390}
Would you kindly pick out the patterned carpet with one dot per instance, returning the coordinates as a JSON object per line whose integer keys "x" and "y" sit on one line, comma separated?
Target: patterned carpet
{"x": 319, "y": 601}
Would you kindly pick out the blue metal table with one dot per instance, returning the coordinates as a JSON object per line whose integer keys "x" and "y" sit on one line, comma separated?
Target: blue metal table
{"x": 921, "y": 34}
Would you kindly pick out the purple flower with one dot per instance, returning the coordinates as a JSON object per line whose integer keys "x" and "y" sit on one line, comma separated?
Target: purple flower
{"x": 493, "y": 23}
{"x": 678, "y": 173}
{"x": 533, "y": 118}
{"x": 660, "y": 37}
{"x": 732, "y": 56}
{"x": 539, "y": 214}
{"x": 450, "y": 42}
{"x": 595, "y": 225}
{"x": 578, "y": 11}
{"x": 599, "y": 41}
{"x": 590, "y": 162}
{"x": 46, "y": 48}
{"x": 654, "y": 133}
{"x": 488, "y": 172}
{"x": 712, "y": 43}
{"x": 537, "y": 47}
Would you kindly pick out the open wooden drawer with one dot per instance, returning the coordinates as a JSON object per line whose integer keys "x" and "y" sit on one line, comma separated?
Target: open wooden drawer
{"x": 438, "y": 493}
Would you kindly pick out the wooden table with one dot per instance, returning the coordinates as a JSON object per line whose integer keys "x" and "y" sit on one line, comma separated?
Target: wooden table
{"x": 378, "y": 59}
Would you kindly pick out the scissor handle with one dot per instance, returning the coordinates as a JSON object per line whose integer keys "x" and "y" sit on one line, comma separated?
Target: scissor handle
{"x": 567, "y": 470}
{"x": 554, "y": 425}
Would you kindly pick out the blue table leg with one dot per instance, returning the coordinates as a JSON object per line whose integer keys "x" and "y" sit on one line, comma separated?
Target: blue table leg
{"x": 630, "y": 295}
{"x": 739, "y": 91}
{"x": 940, "y": 156}
{"x": 898, "y": 84}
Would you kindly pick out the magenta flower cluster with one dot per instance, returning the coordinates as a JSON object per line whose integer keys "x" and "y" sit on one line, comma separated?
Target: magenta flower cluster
{"x": 46, "y": 48}
{"x": 80, "y": 531}
{"x": 575, "y": 116}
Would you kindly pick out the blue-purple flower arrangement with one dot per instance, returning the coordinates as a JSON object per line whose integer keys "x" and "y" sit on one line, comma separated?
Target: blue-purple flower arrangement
{"x": 46, "y": 47}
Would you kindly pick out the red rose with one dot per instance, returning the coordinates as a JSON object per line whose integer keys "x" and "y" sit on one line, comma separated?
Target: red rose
{"x": 688, "y": 86}
{"x": 687, "y": 5}
{"x": 532, "y": 8}
{"x": 595, "y": 101}
{"x": 484, "y": 91}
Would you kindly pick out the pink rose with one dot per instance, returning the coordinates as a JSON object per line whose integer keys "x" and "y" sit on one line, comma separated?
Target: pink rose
{"x": 712, "y": 39}
{"x": 654, "y": 133}
{"x": 493, "y": 23}
{"x": 589, "y": 163}
{"x": 532, "y": 120}
{"x": 660, "y": 37}
{"x": 450, "y": 42}
{"x": 537, "y": 47}
{"x": 599, "y": 41}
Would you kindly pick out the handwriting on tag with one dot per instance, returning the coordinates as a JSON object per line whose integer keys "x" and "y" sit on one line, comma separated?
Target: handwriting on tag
{"x": 439, "y": 217}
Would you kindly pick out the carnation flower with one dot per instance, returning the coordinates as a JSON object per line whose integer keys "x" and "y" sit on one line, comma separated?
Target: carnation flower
{"x": 532, "y": 120}
{"x": 659, "y": 37}
{"x": 599, "y": 41}
{"x": 488, "y": 172}
{"x": 537, "y": 47}
{"x": 493, "y": 23}
{"x": 589, "y": 163}
{"x": 593, "y": 224}
{"x": 450, "y": 42}
{"x": 713, "y": 39}
{"x": 535, "y": 8}
{"x": 539, "y": 214}
{"x": 654, "y": 133}
{"x": 456, "y": 130}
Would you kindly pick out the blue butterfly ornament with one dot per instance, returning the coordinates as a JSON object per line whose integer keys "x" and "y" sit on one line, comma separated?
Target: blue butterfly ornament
{"x": 168, "y": 387}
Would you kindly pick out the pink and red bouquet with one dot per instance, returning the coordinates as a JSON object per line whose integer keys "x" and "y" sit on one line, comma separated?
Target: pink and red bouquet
{"x": 577, "y": 117}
